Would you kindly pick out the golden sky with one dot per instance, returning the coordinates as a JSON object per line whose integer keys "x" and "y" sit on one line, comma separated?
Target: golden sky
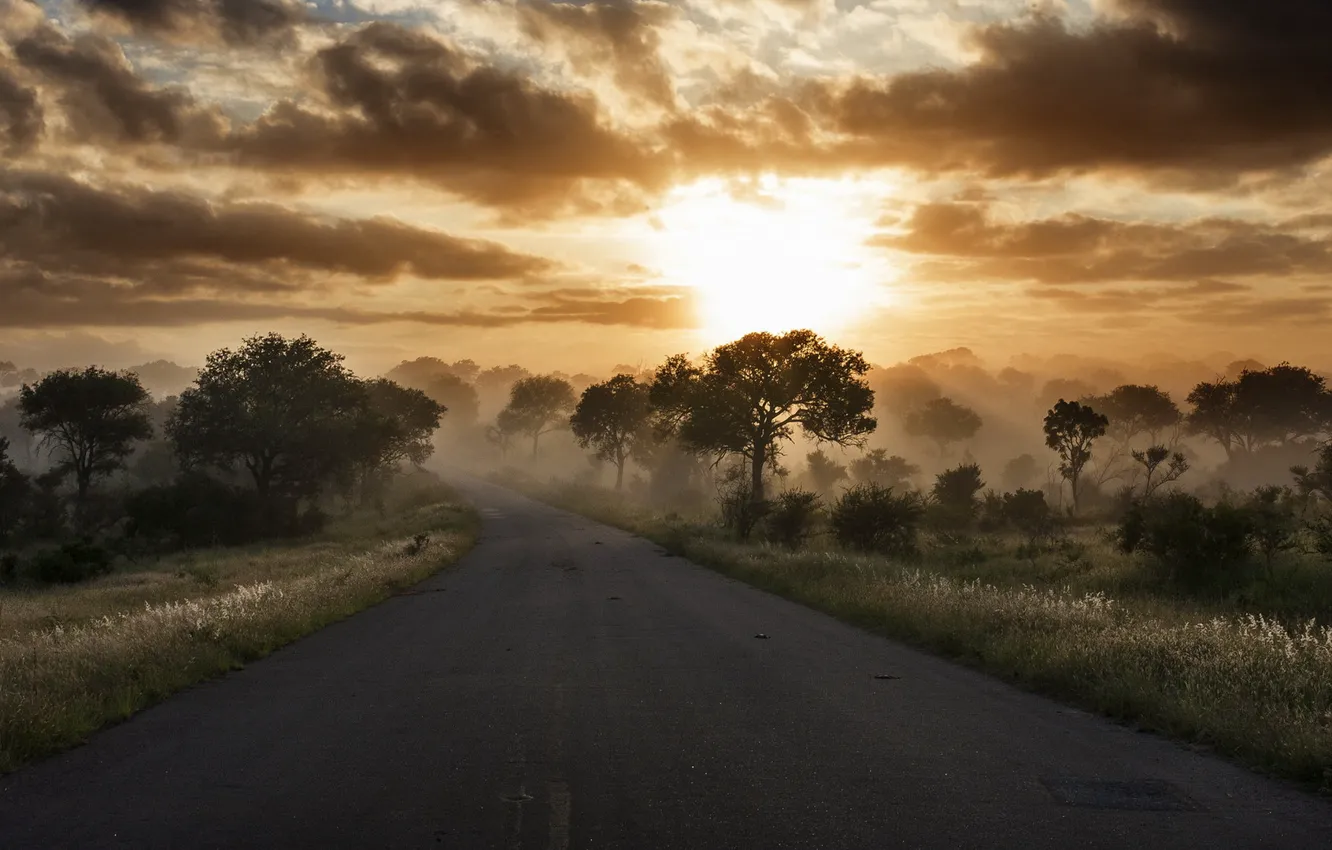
{"x": 576, "y": 185}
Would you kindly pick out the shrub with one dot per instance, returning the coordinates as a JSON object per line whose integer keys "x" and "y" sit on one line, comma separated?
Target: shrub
{"x": 875, "y": 519}
{"x": 792, "y": 517}
{"x": 73, "y": 562}
{"x": 1028, "y": 513}
{"x": 1194, "y": 546}
{"x": 1274, "y": 526}
{"x": 953, "y": 499}
{"x": 8, "y": 568}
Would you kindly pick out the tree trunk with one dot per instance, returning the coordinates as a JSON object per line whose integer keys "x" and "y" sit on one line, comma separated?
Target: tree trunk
{"x": 535, "y": 438}
{"x": 760, "y": 460}
{"x": 619, "y": 475}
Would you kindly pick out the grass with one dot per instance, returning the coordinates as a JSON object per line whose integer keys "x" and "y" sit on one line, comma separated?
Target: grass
{"x": 74, "y": 659}
{"x": 1082, "y": 623}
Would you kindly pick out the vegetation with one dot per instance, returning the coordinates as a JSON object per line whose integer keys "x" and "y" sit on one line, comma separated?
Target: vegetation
{"x": 537, "y": 405}
{"x": 1070, "y": 429}
{"x": 613, "y": 418}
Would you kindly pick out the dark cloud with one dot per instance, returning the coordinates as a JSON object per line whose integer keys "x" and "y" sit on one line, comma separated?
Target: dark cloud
{"x": 233, "y": 22}
{"x": 621, "y": 36}
{"x": 1203, "y": 87}
{"x": 969, "y": 244}
{"x": 102, "y": 96}
{"x": 168, "y": 239}
{"x": 401, "y": 103}
{"x": 21, "y": 120}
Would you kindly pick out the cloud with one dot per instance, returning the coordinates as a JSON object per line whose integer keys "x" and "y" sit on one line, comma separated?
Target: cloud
{"x": 103, "y": 98}
{"x": 21, "y": 119}
{"x": 969, "y": 244}
{"x": 621, "y": 36}
{"x": 399, "y": 103}
{"x": 233, "y": 22}
{"x": 59, "y": 224}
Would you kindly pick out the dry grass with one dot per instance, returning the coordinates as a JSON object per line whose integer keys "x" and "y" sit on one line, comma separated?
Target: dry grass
{"x": 74, "y": 659}
{"x": 1250, "y": 685}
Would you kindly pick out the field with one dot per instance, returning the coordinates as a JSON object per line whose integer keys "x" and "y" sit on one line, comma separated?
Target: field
{"x": 73, "y": 659}
{"x": 1248, "y": 675}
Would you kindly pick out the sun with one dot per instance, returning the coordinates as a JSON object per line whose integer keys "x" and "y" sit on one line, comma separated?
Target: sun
{"x": 783, "y": 255}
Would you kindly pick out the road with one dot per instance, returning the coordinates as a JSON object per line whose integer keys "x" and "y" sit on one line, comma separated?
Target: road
{"x": 571, "y": 686}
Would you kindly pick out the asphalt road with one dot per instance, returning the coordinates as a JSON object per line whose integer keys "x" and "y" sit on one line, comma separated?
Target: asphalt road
{"x": 570, "y": 686}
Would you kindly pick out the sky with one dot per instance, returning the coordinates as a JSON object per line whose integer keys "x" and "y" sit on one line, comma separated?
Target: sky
{"x": 575, "y": 185}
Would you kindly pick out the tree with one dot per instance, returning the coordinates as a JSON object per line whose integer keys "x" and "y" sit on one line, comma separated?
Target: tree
{"x": 284, "y": 409}
{"x": 537, "y": 405}
{"x": 1151, "y": 461}
{"x": 613, "y": 417}
{"x": 88, "y": 419}
{"x": 944, "y": 421}
{"x": 393, "y": 425}
{"x": 501, "y": 378}
{"x": 903, "y": 388}
{"x": 1135, "y": 409}
{"x": 747, "y": 396}
{"x": 824, "y": 472}
{"x": 13, "y": 492}
{"x": 1273, "y": 406}
{"x": 423, "y": 371}
{"x": 1070, "y": 429}
{"x": 457, "y": 396}
{"x": 954, "y": 495}
{"x": 876, "y": 467}
{"x": 1019, "y": 472}
{"x": 1061, "y": 388}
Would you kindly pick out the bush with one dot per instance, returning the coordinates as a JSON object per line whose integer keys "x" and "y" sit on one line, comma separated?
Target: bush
{"x": 73, "y": 562}
{"x": 875, "y": 519}
{"x": 1194, "y": 546}
{"x": 953, "y": 499}
{"x": 1274, "y": 526}
{"x": 1028, "y": 513}
{"x": 8, "y": 568}
{"x": 197, "y": 510}
{"x": 792, "y": 517}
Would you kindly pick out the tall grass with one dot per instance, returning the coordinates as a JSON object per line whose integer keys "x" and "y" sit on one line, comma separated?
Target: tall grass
{"x": 1250, "y": 685}
{"x": 74, "y": 659}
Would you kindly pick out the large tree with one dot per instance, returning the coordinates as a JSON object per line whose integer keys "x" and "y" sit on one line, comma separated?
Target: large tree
{"x": 1274, "y": 406}
{"x": 944, "y": 421}
{"x": 89, "y": 419}
{"x": 457, "y": 396}
{"x": 537, "y": 406}
{"x": 612, "y": 418}
{"x": 1135, "y": 409}
{"x": 283, "y": 409}
{"x": 877, "y": 467}
{"x": 1070, "y": 429}
{"x": 747, "y": 396}
{"x": 394, "y": 425}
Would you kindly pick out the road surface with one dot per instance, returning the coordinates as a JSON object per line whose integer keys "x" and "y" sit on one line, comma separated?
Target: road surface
{"x": 571, "y": 686}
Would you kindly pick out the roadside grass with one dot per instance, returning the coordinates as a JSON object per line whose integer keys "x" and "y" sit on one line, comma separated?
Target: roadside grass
{"x": 1085, "y": 624}
{"x": 74, "y": 659}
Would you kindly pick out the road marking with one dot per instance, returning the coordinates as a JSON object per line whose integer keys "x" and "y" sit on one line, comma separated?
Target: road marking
{"x": 561, "y": 804}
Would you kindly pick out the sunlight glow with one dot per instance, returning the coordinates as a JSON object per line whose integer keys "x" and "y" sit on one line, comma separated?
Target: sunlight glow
{"x": 774, "y": 256}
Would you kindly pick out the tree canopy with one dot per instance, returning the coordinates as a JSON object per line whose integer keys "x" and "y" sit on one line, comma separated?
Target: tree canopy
{"x": 944, "y": 421}
{"x": 1134, "y": 409}
{"x": 89, "y": 419}
{"x": 824, "y": 472}
{"x": 746, "y": 396}
{"x": 1070, "y": 429}
{"x": 284, "y": 409}
{"x": 1274, "y": 406}
{"x": 877, "y": 467}
{"x": 613, "y": 418}
{"x": 537, "y": 406}
{"x": 457, "y": 396}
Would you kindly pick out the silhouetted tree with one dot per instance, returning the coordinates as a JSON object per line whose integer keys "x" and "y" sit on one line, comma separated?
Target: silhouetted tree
{"x": 393, "y": 425}
{"x": 283, "y": 409}
{"x": 1274, "y": 406}
{"x": 876, "y": 467}
{"x": 944, "y": 421}
{"x": 420, "y": 373}
{"x": 88, "y": 419}
{"x": 824, "y": 472}
{"x": 1151, "y": 461}
{"x": 457, "y": 396}
{"x": 955, "y": 494}
{"x": 501, "y": 378}
{"x": 613, "y": 418}
{"x": 747, "y": 395}
{"x": 1135, "y": 409}
{"x": 537, "y": 405}
{"x": 13, "y": 493}
{"x": 1070, "y": 429}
